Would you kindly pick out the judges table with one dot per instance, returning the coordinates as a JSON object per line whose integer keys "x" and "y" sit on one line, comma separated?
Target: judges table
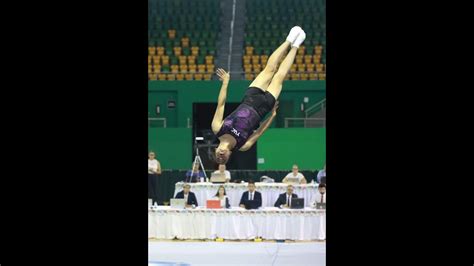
{"x": 237, "y": 223}
{"x": 270, "y": 192}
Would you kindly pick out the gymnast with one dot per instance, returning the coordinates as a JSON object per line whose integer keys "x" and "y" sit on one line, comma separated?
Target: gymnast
{"x": 240, "y": 130}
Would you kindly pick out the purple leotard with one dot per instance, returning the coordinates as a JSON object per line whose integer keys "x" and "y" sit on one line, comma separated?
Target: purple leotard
{"x": 240, "y": 124}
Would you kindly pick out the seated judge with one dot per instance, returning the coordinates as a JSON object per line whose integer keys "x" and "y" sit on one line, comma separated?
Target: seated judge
{"x": 251, "y": 199}
{"x": 222, "y": 196}
{"x": 284, "y": 200}
{"x": 294, "y": 177}
{"x": 195, "y": 174}
{"x": 188, "y": 196}
{"x": 321, "y": 196}
{"x": 223, "y": 171}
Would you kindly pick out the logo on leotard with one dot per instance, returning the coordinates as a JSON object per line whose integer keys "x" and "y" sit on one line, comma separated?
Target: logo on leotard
{"x": 235, "y": 132}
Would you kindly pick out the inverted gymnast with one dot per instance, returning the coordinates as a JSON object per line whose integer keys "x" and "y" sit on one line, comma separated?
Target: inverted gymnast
{"x": 239, "y": 129}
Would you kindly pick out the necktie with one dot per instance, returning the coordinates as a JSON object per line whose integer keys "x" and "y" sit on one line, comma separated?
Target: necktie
{"x": 322, "y": 198}
{"x": 251, "y": 196}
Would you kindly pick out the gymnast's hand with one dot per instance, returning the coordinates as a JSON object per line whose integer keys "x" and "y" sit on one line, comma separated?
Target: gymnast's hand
{"x": 223, "y": 76}
{"x": 274, "y": 110}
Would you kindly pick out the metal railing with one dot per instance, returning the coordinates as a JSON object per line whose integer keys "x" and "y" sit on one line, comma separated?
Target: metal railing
{"x": 321, "y": 105}
{"x": 150, "y": 119}
{"x": 304, "y": 122}
{"x": 289, "y": 122}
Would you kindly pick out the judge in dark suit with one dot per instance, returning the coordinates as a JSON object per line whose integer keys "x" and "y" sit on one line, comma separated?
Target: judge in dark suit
{"x": 251, "y": 199}
{"x": 284, "y": 200}
{"x": 188, "y": 195}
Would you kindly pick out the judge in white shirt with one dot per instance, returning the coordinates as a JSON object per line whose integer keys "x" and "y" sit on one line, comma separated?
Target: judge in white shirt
{"x": 222, "y": 170}
{"x": 321, "y": 195}
{"x": 222, "y": 196}
{"x": 294, "y": 177}
{"x": 154, "y": 169}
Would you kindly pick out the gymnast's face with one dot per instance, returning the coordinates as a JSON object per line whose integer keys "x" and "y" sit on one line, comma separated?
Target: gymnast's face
{"x": 222, "y": 155}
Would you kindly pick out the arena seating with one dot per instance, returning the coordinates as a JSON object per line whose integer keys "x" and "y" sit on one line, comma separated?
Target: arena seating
{"x": 268, "y": 23}
{"x": 182, "y": 47}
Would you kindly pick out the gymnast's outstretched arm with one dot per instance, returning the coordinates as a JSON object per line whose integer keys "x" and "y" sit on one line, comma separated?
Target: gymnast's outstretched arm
{"x": 218, "y": 115}
{"x": 253, "y": 138}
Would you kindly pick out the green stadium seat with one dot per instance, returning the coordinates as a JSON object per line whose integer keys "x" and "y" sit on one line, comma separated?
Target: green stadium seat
{"x": 191, "y": 27}
{"x": 200, "y": 60}
{"x": 173, "y": 60}
{"x": 274, "y": 43}
{"x": 211, "y": 51}
{"x": 205, "y": 35}
{"x": 268, "y": 23}
{"x": 186, "y": 51}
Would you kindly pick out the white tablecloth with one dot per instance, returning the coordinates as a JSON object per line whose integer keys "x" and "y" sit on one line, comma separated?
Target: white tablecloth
{"x": 270, "y": 192}
{"x": 237, "y": 223}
